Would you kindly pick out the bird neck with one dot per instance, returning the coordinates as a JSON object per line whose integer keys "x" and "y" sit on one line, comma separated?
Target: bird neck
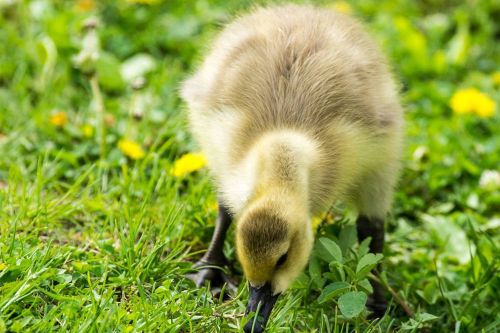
{"x": 283, "y": 166}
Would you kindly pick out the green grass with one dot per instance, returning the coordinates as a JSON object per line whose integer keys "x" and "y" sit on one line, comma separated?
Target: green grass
{"x": 91, "y": 241}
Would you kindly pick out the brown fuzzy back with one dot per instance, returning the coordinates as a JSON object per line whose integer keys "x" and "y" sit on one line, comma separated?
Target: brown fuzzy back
{"x": 298, "y": 67}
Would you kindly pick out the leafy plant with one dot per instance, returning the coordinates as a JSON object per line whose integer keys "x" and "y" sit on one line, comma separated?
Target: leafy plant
{"x": 342, "y": 273}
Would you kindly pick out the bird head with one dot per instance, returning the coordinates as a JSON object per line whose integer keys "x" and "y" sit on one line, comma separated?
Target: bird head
{"x": 273, "y": 246}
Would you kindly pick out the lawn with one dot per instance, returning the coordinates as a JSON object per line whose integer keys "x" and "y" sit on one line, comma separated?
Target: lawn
{"x": 102, "y": 213}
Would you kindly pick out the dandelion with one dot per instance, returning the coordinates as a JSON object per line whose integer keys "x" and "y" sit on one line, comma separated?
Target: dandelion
{"x": 131, "y": 149}
{"x": 87, "y": 130}
{"x": 471, "y": 100}
{"x": 495, "y": 77}
{"x": 59, "y": 119}
{"x": 2, "y": 266}
{"x": 144, "y": 2}
{"x": 188, "y": 163}
{"x": 211, "y": 206}
{"x": 341, "y": 7}
{"x": 89, "y": 53}
{"x": 315, "y": 222}
{"x": 85, "y": 5}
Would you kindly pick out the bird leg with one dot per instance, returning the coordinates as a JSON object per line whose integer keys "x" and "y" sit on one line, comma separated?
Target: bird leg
{"x": 211, "y": 266}
{"x": 374, "y": 228}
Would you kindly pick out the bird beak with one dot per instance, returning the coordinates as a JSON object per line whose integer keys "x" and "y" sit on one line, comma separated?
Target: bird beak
{"x": 261, "y": 300}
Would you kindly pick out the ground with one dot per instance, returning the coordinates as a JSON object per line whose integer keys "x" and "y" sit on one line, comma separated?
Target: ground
{"x": 100, "y": 221}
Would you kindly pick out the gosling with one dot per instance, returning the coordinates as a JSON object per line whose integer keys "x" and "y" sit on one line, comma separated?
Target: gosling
{"x": 295, "y": 109}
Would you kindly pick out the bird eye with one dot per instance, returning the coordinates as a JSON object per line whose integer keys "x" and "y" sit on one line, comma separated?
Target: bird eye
{"x": 281, "y": 260}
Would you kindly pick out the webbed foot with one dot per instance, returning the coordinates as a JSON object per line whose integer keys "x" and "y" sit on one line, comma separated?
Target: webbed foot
{"x": 216, "y": 276}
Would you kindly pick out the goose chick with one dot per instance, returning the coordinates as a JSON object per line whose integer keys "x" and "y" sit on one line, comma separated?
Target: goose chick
{"x": 295, "y": 109}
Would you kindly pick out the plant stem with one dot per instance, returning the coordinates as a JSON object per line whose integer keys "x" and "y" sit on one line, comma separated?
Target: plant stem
{"x": 398, "y": 299}
{"x": 99, "y": 108}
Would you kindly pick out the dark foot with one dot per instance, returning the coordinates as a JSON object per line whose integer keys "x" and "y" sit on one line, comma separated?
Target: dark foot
{"x": 377, "y": 303}
{"x": 374, "y": 228}
{"x": 211, "y": 266}
{"x": 216, "y": 277}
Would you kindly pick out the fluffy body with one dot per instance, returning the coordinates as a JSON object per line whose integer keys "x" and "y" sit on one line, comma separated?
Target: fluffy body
{"x": 295, "y": 108}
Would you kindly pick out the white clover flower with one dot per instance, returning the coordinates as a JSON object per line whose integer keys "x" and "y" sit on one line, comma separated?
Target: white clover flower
{"x": 490, "y": 180}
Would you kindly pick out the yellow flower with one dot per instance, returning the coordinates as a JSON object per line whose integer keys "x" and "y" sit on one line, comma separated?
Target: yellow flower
{"x": 59, "y": 119}
{"x": 211, "y": 206}
{"x": 341, "y": 7}
{"x": 317, "y": 220}
{"x": 144, "y": 2}
{"x": 2, "y": 266}
{"x": 87, "y": 130}
{"x": 85, "y": 5}
{"x": 471, "y": 100}
{"x": 188, "y": 163}
{"x": 495, "y": 77}
{"x": 131, "y": 149}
